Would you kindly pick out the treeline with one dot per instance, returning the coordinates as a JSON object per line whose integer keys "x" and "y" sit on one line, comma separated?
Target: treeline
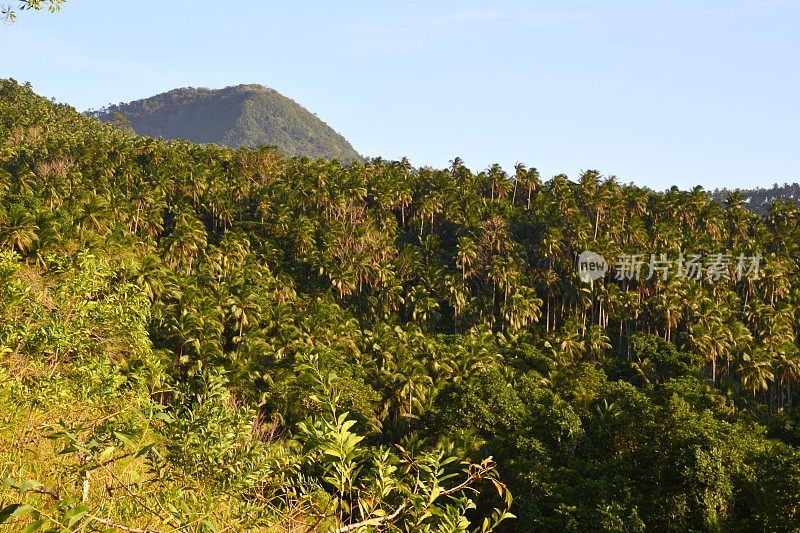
{"x": 760, "y": 200}
{"x": 212, "y": 336}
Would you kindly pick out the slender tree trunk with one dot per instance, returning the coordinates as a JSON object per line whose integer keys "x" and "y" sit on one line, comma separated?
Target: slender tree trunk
{"x": 713, "y": 369}
{"x": 596, "y": 223}
{"x": 84, "y": 478}
{"x": 547, "y": 314}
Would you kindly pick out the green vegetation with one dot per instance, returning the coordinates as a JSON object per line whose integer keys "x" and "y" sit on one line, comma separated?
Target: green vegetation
{"x": 196, "y": 338}
{"x": 760, "y": 200}
{"x": 241, "y": 116}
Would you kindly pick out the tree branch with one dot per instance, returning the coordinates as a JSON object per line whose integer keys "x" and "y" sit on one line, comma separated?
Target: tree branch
{"x": 104, "y": 521}
{"x": 371, "y": 521}
{"x": 115, "y": 525}
{"x": 48, "y": 492}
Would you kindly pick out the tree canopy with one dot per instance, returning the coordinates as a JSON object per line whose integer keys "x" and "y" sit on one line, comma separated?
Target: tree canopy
{"x": 195, "y": 337}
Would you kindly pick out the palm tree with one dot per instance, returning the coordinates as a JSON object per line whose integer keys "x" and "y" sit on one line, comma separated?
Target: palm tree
{"x": 422, "y": 303}
{"x": 570, "y": 343}
{"x": 429, "y": 206}
{"x": 467, "y": 254}
{"x": 151, "y": 274}
{"x": 19, "y": 229}
{"x": 415, "y": 386}
{"x": 597, "y": 342}
{"x": 787, "y": 371}
{"x": 519, "y": 177}
{"x": 245, "y": 310}
{"x": 532, "y": 181}
{"x": 457, "y": 296}
{"x": 712, "y": 340}
{"x": 186, "y": 242}
{"x": 498, "y": 181}
{"x": 523, "y": 308}
{"x": 755, "y": 373}
{"x": 95, "y": 215}
{"x": 669, "y": 303}
{"x": 185, "y": 328}
{"x": 476, "y": 353}
{"x": 504, "y": 272}
{"x": 494, "y": 235}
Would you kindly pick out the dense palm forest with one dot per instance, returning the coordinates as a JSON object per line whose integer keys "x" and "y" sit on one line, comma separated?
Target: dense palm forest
{"x": 196, "y": 338}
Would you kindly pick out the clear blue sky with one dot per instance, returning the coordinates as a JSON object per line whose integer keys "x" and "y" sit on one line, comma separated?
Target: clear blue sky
{"x": 656, "y": 92}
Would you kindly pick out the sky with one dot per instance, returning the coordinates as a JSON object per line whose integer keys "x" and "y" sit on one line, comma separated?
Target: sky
{"x": 657, "y": 92}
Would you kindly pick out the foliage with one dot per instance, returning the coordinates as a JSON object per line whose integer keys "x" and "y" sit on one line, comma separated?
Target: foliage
{"x": 195, "y": 338}
{"x": 761, "y": 199}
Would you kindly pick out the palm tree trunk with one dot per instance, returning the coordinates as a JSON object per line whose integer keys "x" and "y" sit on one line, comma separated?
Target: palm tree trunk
{"x": 713, "y": 369}
{"x": 596, "y": 223}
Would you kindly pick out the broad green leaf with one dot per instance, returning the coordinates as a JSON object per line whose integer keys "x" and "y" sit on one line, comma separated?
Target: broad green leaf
{"x": 74, "y": 515}
{"x": 126, "y": 438}
{"x": 28, "y": 485}
{"x": 106, "y": 453}
{"x": 164, "y": 416}
{"x": 15, "y": 510}
{"x": 145, "y": 450}
{"x": 36, "y": 525}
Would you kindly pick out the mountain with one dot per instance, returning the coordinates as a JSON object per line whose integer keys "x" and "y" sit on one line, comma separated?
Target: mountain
{"x": 238, "y": 116}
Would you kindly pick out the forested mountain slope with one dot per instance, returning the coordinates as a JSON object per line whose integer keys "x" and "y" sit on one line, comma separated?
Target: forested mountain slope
{"x": 195, "y": 338}
{"x": 243, "y": 115}
{"x": 760, "y": 200}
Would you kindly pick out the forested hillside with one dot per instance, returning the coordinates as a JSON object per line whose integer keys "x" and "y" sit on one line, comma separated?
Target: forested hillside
{"x": 760, "y": 200}
{"x": 240, "y": 116}
{"x": 196, "y": 338}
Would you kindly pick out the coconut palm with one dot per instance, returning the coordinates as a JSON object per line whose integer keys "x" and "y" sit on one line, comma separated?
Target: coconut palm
{"x": 18, "y": 229}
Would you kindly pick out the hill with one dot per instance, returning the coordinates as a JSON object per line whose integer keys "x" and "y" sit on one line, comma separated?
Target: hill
{"x": 239, "y": 116}
{"x": 760, "y": 200}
